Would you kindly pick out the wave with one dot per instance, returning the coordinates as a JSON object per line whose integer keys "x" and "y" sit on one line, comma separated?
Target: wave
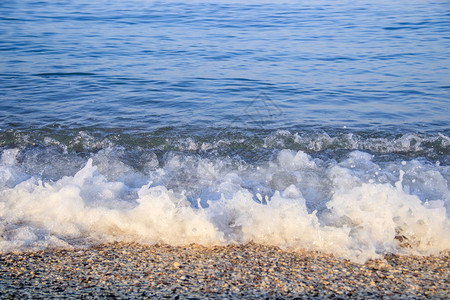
{"x": 353, "y": 205}
{"x": 177, "y": 139}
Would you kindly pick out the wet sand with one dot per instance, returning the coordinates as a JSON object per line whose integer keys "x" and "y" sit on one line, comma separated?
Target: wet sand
{"x": 123, "y": 270}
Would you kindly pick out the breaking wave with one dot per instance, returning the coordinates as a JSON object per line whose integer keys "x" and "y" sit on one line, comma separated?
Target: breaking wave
{"x": 353, "y": 202}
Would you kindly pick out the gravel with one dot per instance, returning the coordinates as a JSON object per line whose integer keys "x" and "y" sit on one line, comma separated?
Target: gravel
{"x": 135, "y": 271}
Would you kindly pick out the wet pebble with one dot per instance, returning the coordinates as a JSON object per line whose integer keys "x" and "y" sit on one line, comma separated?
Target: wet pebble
{"x": 123, "y": 270}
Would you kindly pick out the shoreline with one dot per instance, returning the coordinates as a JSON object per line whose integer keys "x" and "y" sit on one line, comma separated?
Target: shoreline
{"x": 130, "y": 270}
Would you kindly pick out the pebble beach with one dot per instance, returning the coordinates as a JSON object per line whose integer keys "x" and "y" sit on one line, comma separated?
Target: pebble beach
{"x": 130, "y": 270}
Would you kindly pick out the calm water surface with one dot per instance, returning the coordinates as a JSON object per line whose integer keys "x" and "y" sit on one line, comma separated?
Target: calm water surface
{"x": 149, "y": 64}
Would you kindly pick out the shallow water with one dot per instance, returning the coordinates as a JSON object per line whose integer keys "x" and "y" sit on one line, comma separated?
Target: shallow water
{"x": 304, "y": 125}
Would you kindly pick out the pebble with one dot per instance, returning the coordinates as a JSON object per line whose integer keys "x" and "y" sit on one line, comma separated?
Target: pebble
{"x": 130, "y": 270}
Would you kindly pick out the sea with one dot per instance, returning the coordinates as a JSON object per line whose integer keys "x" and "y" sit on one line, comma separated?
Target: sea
{"x": 317, "y": 125}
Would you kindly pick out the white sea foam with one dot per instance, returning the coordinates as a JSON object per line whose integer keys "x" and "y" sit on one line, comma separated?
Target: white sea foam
{"x": 354, "y": 208}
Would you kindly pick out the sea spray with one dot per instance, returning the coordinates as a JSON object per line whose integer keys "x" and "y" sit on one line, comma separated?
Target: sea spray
{"x": 354, "y": 206}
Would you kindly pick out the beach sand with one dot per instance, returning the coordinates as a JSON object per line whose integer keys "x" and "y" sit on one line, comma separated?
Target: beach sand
{"x": 124, "y": 270}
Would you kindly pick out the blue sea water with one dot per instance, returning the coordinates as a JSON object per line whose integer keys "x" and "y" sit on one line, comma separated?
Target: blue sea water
{"x": 199, "y": 121}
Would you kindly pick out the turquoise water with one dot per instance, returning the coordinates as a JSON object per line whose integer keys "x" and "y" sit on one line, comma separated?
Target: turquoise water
{"x": 108, "y": 105}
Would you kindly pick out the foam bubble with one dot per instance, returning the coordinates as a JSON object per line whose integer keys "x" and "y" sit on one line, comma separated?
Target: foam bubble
{"x": 354, "y": 207}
